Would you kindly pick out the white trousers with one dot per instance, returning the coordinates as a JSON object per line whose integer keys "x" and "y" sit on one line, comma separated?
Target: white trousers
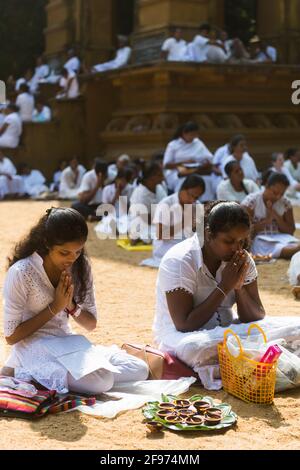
{"x": 131, "y": 369}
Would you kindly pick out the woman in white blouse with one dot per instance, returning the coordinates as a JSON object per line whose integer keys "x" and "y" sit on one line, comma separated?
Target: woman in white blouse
{"x": 236, "y": 188}
{"x": 49, "y": 282}
{"x": 198, "y": 285}
{"x": 238, "y": 151}
{"x": 292, "y": 163}
{"x": 273, "y": 219}
{"x": 184, "y": 151}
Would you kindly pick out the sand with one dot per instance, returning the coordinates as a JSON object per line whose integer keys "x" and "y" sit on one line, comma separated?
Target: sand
{"x": 125, "y": 300}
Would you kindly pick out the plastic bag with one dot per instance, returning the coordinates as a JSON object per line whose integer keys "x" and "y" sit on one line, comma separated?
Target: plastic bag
{"x": 288, "y": 366}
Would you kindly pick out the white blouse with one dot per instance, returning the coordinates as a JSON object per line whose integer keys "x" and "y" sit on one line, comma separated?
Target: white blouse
{"x": 27, "y": 292}
{"x": 183, "y": 268}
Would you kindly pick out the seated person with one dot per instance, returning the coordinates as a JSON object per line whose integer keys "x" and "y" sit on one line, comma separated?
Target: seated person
{"x": 273, "y": 220}
{"x": 121, "y": 187}
{"x": 187, "y": 154}
{"x": 199, "y": 282}
{"x": 279, "y": 167}
{"x": 11, "y": 129}
{"x": 73, "y": 62}
{"x": 236, "y": 187}
{"x": 174, "y": 48}
{"x": 173, "y": 220}
{"x": 42, "y": 113}
{"x": 294, "y": 275}
{"x": 69, "y": 85}
{"x": 48, "y": 286}
{"x": 142, "y": 204}
{"x": 261, "y": 52}
{"x": 238, "y": 151}
{"x": 90, "y": 193}
{"x": 216, "y": 52}
{"x": 34, "y": 180}
{"x": 41, "y": 73}
{"x": 70, "y": 180}
{"x": 122, "y": 162}
{"x": 57, "y": 175}
{"x": 121, "y": 60}
{"x": 239, "y": 53}
{"x": 292, "y": 163}
{"x": 25, "y": 103}
{"x": 10, "y": 183}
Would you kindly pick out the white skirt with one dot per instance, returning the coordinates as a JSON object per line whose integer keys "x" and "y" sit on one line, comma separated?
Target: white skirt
{"x": 272, "y": 244}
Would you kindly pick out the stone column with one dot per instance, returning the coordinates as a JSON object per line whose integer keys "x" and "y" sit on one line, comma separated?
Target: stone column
{"x": 156, "y": 17}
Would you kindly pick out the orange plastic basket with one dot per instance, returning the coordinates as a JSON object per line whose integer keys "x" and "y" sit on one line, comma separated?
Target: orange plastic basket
{"x": 251, "y": 381}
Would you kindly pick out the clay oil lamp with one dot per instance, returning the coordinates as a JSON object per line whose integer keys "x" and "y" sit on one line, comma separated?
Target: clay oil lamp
{"x": 164, "y": 413}
{"x": 213, "y": 413}
{"x": 182, "y": 403}
{"x": 154, "y": 427}
{"x": 194, "y": 420}
{"x": 185, "y": 412}
{"x": 201, "y": 406}
{"x": 174, "y": 419}
{"x": 209, "y": 421}
{"x": 166, "y": 406}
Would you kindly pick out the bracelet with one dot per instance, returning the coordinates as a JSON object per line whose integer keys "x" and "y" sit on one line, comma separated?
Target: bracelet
{"x": 71, "y": 312}
{"x": 219, "y": 288}
{"x": 51, "y": 311}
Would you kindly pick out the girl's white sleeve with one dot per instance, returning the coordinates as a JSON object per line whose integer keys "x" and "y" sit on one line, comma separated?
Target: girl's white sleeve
{"x": 15, "y": 299}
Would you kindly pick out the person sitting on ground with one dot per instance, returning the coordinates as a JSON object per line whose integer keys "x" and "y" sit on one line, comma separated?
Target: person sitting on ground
{"x": 174, "y": 48}
{"x": 54, "y": 187}
{"x": 175, "y": 216}
{"x": 261, "y": 52}
{"x": 239, "y": 151}
{"x": 201, "y": 279}
{"x": 292, "y": 163}
{"x": 187, "y": 154}
{"x": 73, "y": 62}
{"x": 90, "y": 193}
{"x": 25, "y": 103}
{"x": 142, "y": 204}
{"x": 27, "y": 77}
{"x": 42, "y": 113}
{"x": 49, "y": 284}
{"x": 279, "y": 167}
{"x": 294, "y": 275}
{"x": 121, "y": 187}
{"x": 273, "y": 219}
{"x": 70, "y": 180}
{"x": 121, "y": 60}
{"x": 34, "y": 181}
{"x": 11, "y": 185}
{"x": 236, "y": 187}
{"x": 11, "y": 130}
{"x": 122, "y": 162}
{"x": 69, "y": 85}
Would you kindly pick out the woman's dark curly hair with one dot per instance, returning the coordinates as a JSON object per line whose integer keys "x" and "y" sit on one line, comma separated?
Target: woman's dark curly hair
{"x": 222, "y": 216}
{"x": 57, "y": 227}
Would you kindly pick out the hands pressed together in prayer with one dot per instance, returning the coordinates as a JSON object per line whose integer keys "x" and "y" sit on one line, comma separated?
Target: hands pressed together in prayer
{"x": 64, "y": 293}
{"x": 234, "y": 274}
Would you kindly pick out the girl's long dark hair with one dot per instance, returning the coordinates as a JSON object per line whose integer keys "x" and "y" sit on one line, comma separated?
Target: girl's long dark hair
{"x": 184, "y": 129}
{"x": 57, "y": 227}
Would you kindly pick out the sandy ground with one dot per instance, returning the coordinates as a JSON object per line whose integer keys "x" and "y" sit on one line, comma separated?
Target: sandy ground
{"x": 125, "y": 300}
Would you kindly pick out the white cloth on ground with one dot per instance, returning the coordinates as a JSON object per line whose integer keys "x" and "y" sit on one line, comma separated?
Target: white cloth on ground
{"x": 133, "y": 395}
{"x": 34, "y": 183}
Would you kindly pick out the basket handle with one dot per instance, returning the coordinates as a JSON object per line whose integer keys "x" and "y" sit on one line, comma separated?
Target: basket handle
{"x": 231, "y": 332}
{"x": 251, "y": 327}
